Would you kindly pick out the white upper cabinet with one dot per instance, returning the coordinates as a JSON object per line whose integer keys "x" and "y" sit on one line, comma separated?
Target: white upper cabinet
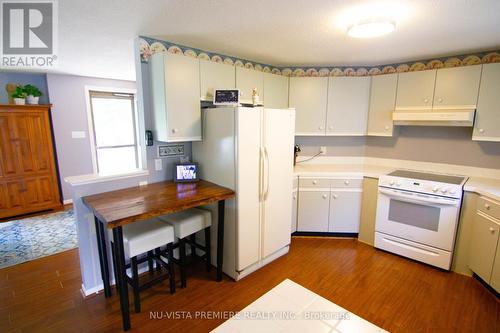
{"x": 457, "y": 87}
{"x": 415, "y": 90}
{"x": 175, "y": 88}
{"x": 382, "y": 101}
{"x": 215, "y": 76}
{"x": 275, "y": 91}
{"x": 308, "y": 95}
{"x": 487, "y": 123}
{"x": 348, "y": 99}
{"x": 246, "y": 81}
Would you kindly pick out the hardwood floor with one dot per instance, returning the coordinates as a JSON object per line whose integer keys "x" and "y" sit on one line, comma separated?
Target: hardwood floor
{"x": 394, "y": 293}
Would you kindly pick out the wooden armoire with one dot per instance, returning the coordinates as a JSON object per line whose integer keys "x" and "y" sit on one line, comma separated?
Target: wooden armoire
{"x": 28, "y": 173}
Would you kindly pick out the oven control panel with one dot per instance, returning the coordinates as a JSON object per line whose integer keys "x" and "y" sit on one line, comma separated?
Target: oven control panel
{"x": 421, "y": 186}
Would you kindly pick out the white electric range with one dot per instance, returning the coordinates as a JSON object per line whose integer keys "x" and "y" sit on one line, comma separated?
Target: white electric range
{"x": 417, "y": 215}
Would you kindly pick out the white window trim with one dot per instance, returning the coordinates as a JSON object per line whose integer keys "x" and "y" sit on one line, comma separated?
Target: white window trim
{"x": 90, "y": 123}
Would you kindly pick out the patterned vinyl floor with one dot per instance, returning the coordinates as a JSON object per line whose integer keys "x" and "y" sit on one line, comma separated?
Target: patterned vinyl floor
{"x": 35, "y": 237}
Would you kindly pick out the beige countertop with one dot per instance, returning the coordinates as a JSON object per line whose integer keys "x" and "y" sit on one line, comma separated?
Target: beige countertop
{"x": 489, "y": 187}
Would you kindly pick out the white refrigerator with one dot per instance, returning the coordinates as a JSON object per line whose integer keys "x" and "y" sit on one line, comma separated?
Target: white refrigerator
{"x": 250, "y": 150}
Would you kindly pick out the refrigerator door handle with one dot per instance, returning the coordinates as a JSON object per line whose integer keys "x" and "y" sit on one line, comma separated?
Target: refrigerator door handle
{"x": 266, "y": 155}
{"x": 261, "y": 174}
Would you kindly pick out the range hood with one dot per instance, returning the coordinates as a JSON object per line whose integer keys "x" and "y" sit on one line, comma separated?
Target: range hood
{"x": 435, "y": 117}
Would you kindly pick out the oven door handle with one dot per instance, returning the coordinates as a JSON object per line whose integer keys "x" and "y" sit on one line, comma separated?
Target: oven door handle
{"x": 410, "y": 198}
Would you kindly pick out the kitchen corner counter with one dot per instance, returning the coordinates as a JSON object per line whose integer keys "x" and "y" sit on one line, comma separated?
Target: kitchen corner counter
{"x": 488, "y": 187}
{"x": 484, "y": 186}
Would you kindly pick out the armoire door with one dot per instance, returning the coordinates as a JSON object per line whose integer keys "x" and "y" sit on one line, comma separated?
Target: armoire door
{"x": 8, "y": 143}
{"x": 32, "y": 148}
{"x": 278, "y": 143}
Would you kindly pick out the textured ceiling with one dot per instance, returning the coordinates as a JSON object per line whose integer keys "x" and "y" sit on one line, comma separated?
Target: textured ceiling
{"x": 96, "y": 38}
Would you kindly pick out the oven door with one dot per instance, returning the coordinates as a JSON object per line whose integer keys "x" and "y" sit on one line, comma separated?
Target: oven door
{"x": 425, "y": 219}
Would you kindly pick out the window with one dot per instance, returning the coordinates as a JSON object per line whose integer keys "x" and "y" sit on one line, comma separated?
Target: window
{"x": 114, "y": 123}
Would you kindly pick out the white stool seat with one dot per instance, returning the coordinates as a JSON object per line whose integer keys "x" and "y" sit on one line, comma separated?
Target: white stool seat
{"x": 189, "y": 221}
{"x": 144, "y": 236}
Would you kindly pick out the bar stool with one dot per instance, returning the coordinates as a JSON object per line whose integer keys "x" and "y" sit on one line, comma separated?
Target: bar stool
{"x": 145, "y": 237}
{"x": 186, "y": 224}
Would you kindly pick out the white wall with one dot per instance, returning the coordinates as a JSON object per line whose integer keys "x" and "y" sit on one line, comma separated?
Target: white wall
{"x": 69, "y": 113}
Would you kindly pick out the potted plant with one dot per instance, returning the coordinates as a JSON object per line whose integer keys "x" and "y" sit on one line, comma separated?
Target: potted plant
{"x": 19, "y": 96}
{"x": 33, "y": 93}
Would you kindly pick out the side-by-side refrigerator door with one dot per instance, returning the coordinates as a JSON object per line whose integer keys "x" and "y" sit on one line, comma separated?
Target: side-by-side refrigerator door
{"x": 278, "y": 144}
{"x": 248, "y": 141}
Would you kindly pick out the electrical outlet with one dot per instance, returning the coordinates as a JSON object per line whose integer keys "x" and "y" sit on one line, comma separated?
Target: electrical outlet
{"x": 158, "y": 165}
{"x": 171, "y": 150}
{"x": 322, "y": 150}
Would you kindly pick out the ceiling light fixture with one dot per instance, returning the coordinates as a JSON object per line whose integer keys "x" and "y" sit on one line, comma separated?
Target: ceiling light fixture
{"x": 371, "y": 28}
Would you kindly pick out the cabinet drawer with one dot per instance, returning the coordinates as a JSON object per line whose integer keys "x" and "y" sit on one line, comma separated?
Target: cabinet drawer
{"x": 314, "y": 182}
{"x": 489, "y": 207}
{"x": 346, "y": 183}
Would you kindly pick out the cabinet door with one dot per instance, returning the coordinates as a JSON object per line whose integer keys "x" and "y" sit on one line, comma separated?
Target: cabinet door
{"x": 11, "y": 198}
{"x": 457, "y": 87}
{"x": 33, "y": 144}
{"x": 313, "y": 211}
{"x": 275, "y": 91}
{"x": 483, "y": 245}
{"x": 486, "y": 125}
{"x": 415, "y": 90}
{"x": 345, "y": 211}
{"x": 348, "y": 99}
{"x": 38, "y": 191}
{"x": 382, "y": 102}
{"x": 495, "y": 274}
{"x": 8, "y": 147}
{"x": 175, "y": 86}
{"x": 295, "y": 199}
{"x": 246, "y": 81}
{"x": 215, "y": 76}
{"x": 308, "y": 95}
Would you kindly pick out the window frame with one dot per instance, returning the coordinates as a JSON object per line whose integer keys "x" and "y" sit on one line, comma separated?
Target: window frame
{"x": 132, "y": 95}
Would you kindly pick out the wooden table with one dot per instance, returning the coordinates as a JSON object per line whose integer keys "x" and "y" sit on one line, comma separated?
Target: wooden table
{"x": 113, "y": 210}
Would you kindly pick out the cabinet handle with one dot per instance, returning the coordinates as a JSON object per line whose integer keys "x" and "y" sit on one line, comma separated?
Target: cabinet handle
{"x": 294, "y": 197}
{"x": 492, "y": 230}
{"x": 440, "y": 100}
{"x": 321, "y": 127}
{"x": 426, "y": 100}
{"x": 487, "y": 206}
{"x": 386, "y": 127}
{"x": 330, "y": 127}
{"x": 174, "y": 130}
{"x": 346, "y": 182}
{"x": 325, "y": 196}
{"x": 481, "y": 130}
{"x": 315, "y": 182}
{"x": 335, "y": 196}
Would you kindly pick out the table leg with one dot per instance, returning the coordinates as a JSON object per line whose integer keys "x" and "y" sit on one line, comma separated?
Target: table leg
{"x": 220, "y": 239}
{"x": 122, "y": 276}
{"x": 103, "y": 256}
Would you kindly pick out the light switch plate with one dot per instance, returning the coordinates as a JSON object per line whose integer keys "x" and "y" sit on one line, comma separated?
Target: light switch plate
{"x": 78, "y": 134}
{"x": 158, "y": 164}
{"x": 322, "y": 150}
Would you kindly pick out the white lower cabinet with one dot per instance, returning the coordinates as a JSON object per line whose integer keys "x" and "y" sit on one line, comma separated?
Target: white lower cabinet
{"x": 324, "y": 209}
{"x": 313, "y": 210}
{"x": 345, "y": 211}
{"x": 484, "y": 247}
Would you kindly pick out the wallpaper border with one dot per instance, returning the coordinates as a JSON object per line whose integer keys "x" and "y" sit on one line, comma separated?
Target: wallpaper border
{"x": 149, "y": 46}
